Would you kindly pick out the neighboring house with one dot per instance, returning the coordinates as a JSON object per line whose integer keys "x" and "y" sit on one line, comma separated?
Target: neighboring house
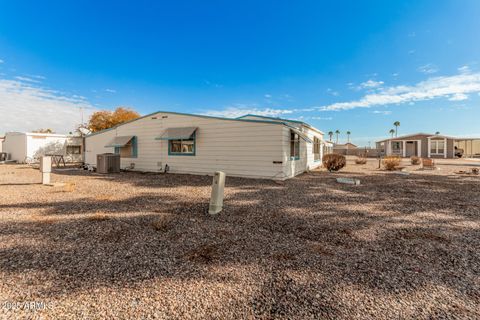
{"x": 249, "y": 146}
{"x": 345, "y": 149}
{"x": 420, "y": 144}
{"x": 24, "y": 146}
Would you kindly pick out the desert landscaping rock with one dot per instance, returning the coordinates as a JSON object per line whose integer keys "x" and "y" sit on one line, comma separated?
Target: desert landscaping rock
{"x": 135, "y": 245}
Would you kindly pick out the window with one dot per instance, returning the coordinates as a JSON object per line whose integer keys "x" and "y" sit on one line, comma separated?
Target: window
{"x": 182, "y": 147}
{"x": 316, "y": 149}
{"x": 437, "y": 147}
{"x": 74, "y": 149}
{"x": 294, "y": 145}
{"x": 396, "y": 147}
{"x": 327, "y": 149}
{"x": 129, "y": 150}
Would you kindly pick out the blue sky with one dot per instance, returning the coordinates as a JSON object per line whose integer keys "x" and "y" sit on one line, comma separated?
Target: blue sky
{"x": 346, "y": 65}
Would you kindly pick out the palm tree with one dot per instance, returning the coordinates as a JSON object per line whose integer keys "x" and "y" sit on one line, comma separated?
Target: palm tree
{"x": 330, "y": 133}
{"x": 396, "y": 124}
{"x": 392, "y": 131}
{"x": 348, "y": 136}
{"x": 437, "y": 133}
{"x": 337, "y": 132}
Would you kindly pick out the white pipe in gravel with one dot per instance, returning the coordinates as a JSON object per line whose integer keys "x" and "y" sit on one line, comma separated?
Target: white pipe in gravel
{"x": 216, "y": 200}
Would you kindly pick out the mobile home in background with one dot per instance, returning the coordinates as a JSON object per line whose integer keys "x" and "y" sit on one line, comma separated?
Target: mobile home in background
{"x": 24, "y": 147}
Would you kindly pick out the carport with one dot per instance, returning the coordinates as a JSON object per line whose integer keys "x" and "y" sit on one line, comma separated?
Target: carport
{"x": 467, "y": 147}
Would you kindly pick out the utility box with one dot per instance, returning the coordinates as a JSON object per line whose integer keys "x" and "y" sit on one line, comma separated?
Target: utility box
{"x": 45, "y": 169}
{"x": 46, "y": 164}
{"x": 218, "y": 186}
{"x": 108, "y": 163}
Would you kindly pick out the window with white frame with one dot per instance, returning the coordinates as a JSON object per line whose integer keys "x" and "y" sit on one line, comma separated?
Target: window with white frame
{"x": 437, "y": 147}
{"x": 294, "y": 145}
{"x": 396, "y": 147}
{"x": 316, "y": 149}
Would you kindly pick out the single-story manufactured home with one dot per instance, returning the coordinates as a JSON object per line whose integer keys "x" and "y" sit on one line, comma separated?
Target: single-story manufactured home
{"x": 249, "y": 146}
{"x": 27, "y": 146}
{"x": 426, "y": 145}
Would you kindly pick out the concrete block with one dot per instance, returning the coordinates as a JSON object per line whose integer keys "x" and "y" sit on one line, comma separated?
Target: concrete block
{"x": 349, "y": 181}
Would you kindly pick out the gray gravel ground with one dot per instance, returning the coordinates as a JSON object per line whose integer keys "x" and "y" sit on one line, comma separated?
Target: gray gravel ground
{"x": 137, "y": 245}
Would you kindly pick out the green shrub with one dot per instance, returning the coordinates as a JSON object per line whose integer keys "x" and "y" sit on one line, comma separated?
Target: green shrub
{"x": 391, "y": 162}
{"x": 334, "y": 161}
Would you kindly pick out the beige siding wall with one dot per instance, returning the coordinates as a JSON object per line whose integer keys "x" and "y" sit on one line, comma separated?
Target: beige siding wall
{"x": 240, "y": 148}
{"x": 311, "y": 163}
{"x": 306, "y": 161}
{"x": 96, "y": 145}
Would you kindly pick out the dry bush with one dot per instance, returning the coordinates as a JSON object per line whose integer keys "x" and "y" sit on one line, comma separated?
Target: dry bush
{"x": 391, "y": 162}
{"x": 361, "y": 160}
{"x": 98, "y": 216}
{"x": 334, "y": 161}
{"x": 475, "y": 171}
{"x": 415, "y": 160}
{"x": 163, "y": 223}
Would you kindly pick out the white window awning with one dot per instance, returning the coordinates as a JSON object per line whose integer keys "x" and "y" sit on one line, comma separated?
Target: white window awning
{"x": 119, "y": 141}
{"x": 302, "y": 135}
{"x": 177, "y": 133}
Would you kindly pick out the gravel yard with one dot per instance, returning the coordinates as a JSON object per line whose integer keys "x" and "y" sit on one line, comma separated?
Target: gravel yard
{"x": 135, "y": 245}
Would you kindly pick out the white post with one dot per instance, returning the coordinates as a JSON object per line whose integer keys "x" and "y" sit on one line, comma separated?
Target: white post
{"x": 404, "y": 148}
{"x": 216, "y": 200}
{"x": 429, "y": 147}
{"x": 45, "y": 169}
{"x": 445, "y": 148}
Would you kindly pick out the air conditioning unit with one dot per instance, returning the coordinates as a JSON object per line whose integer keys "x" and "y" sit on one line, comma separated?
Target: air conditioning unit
{"x": 108, "y": 163}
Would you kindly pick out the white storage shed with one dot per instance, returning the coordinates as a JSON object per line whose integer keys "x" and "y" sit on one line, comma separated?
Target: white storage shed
{"x": 29, "y": 146}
